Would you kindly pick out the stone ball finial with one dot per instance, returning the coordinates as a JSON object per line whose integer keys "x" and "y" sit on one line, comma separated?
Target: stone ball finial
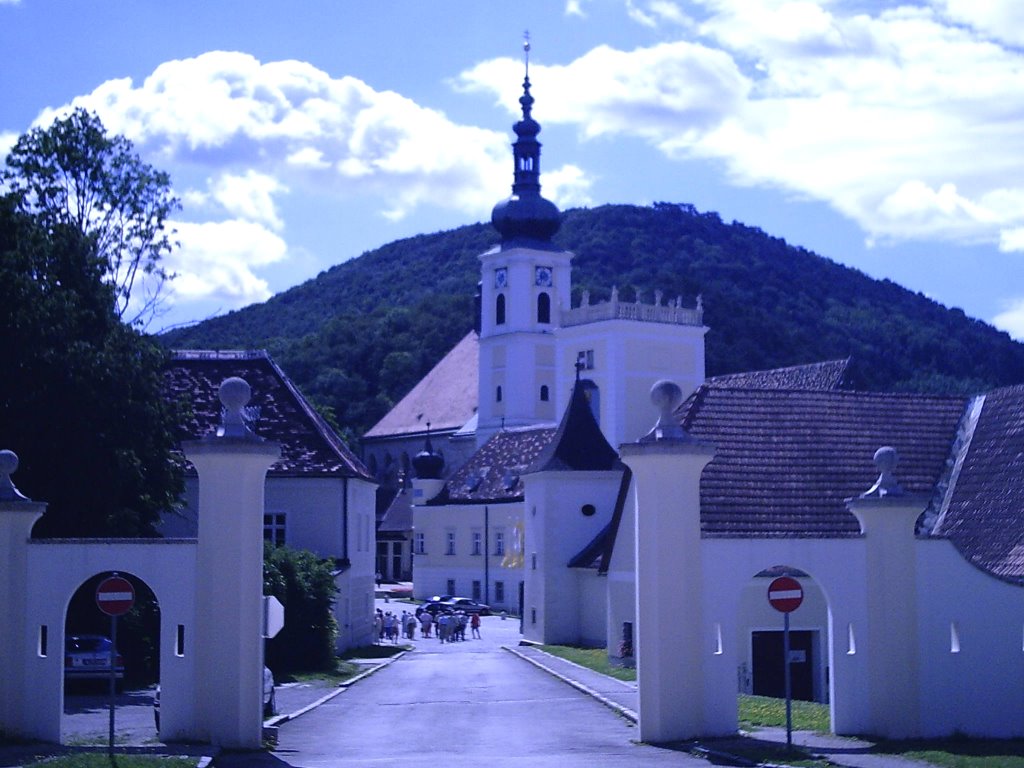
{"x": 8, "y": 466}
{"x": 886, "y": 459}
{"x": 235, "y": 394}
{"x": 666, "y": 396}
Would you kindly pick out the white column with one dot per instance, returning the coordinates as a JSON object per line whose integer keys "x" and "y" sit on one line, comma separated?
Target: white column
{"x": 17, "y": 516}
{"x": 887, "y": 518}
{"x": 667, "y": 466}
{"x": 228, "y": 643}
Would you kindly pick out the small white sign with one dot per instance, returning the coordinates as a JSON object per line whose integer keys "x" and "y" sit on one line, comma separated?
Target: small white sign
{"x": 273, "y": 616}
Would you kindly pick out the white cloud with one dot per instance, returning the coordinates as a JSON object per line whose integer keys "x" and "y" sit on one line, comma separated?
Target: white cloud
{"x": 250, "y": 196}
{"x": 575, "y": 8}
{"x": 216, "y": 261}
{"x": 568, "y": 187}
{"x": 900, "y": 119}
{"x": 7, "y": 141}
{"x": 293, "y": 123}
{"x": 1011, "y": 319}
{"x": 1001, "y": 19}
{"x": 654, "y": 13}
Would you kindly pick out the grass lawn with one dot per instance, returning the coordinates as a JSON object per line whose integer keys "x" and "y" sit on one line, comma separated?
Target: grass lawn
{"x": 344, "y": 669}
{"x": 103, "y": 760}
{"x": 591, "y": 658}
{"x": 763, "y": 712}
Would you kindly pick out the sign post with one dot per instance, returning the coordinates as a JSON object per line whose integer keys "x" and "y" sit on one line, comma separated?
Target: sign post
{"x": 115, "y": 596}
{"x": 785, "y": 595}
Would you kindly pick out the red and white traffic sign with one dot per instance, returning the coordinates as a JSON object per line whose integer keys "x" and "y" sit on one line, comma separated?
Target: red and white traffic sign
{"x": 785, "y": 594}
{"x": 115, "y": 596}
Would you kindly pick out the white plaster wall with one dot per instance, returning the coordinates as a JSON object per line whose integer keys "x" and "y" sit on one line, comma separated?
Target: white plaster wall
{"x": 556, "y": 531}
{"x": 433, "y": 568}
{"x": 592, "y": 607}
{"x": 56, "y": 569}
{"x": 353, "y": 607}
{"x": 978, "y": 691}
{"x": 629, "y": 357}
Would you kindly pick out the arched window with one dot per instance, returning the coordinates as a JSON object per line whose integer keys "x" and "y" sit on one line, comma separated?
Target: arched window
{"x": 593, "y": 395}
{"x": 544, "y": 393}
{"x": 497, "y": 395}
{"x": 371, "y": 464}
{"x": 543, "y": 308}
{"x": 499, "y": 310}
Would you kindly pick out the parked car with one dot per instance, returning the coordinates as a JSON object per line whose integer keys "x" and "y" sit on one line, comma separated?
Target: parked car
{"x": 87, "y": 657}
{"x": 469, "y": 606}
{"x": 434, "y": 608}
{"x": 269, "y": 698}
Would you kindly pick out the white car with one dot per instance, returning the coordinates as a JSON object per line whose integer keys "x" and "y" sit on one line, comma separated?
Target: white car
{"x": 87, "y": 657}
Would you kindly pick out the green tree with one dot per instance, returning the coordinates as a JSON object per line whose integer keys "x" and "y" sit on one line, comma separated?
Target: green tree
{"x": 73, "y": 174}
{"x": 305, "y": 586}
{"x": 81, "y": 393}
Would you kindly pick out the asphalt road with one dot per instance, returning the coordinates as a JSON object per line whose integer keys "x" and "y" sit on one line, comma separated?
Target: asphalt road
{"x": 469, "y": 701}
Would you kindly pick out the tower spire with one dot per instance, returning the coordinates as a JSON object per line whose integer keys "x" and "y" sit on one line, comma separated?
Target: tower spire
{"x": 526, "y": 214}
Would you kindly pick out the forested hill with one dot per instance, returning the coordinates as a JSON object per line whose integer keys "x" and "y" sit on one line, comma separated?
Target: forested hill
{"x": 358, "y": 336}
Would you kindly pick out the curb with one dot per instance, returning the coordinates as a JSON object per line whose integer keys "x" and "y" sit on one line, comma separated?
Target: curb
{"x": 342, "y": 687}
{"x": 625, "y": 712}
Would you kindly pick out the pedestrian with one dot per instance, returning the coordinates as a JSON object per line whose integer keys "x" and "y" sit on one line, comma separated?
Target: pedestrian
{"x": 474, "y": 624}
{"x": 378, "y": 625}
{"x": 426, "y": 620}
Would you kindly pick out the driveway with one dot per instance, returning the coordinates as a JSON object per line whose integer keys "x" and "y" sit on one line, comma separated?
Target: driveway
{"x": 471, "y": 701}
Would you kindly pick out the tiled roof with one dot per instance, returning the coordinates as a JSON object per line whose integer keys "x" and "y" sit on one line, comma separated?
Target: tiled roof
{"x": 446, "y": 396}
{"x": 986, "y": 508}
{"x": 579, "y": 445}
{"x": 493, "y": 473}
{"x": 822, "y": 376}
{"x": 398, "y": 518}
{"x": 785, "y": 461}
{"x": 308, "y": 444}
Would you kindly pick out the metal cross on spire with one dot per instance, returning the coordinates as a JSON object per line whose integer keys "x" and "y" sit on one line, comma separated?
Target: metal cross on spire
{"x": 526, "y": 52}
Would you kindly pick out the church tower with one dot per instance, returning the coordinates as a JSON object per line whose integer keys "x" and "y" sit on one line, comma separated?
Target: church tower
{"x": 525, "y": 287}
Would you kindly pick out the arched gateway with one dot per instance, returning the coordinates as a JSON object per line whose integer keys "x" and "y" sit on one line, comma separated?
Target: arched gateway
{"x": 209, "y": 590}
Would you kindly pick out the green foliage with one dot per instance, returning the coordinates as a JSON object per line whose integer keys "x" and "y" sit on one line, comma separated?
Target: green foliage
{"x": 591, "y": 658}
{"x": 103, "y": 760}
{"x": 765, "y": 712}
{"x": 81, "y": 395}
{"x": 72, "y": 174}
{"x": 305, "y": 586}
{"x": 360, "y": 335}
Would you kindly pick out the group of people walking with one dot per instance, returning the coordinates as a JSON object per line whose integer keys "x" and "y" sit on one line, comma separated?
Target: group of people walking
{"x": 446, "y": 627}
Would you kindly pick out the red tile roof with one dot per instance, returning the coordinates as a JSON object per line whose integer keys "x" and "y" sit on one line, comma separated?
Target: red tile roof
{"x": 446, "y": 396}
{"x": 985, "y": 516}
{"x": 309, "y": 446}
{"x": 785, "y": 461}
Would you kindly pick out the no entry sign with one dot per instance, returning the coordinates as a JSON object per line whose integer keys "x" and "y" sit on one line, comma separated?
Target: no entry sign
{"x": 785, "y": 594}
{"x": 115, "y": 596}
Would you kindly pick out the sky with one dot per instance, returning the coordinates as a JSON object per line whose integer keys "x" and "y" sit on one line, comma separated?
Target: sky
{"x": 888, "y": 137}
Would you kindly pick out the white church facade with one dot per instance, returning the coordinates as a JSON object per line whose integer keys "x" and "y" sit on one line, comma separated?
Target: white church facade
{"x": 660, "y": 544}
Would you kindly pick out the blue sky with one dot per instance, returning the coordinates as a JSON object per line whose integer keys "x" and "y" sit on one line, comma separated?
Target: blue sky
{"x": 888, "y": 137}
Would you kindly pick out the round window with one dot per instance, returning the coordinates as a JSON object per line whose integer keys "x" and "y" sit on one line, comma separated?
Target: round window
{"x": 588, "y": 510}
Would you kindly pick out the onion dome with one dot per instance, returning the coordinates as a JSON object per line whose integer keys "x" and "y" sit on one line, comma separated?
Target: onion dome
{"x": 428, "y": 464}
{"x": 526, "y": 214}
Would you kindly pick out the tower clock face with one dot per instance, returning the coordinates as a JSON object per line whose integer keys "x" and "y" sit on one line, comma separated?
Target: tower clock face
{"x": 543, "y": 276}
{"x": 500, "y": 277}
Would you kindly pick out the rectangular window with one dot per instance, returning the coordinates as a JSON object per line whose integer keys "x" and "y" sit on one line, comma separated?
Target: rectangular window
{"x": 420, "y": 542}
{"x": 499, "y": 591}
{"x": 449, "y": 548}
{"x": 273, "y": 528}
{"x": 477, "y": 591}
{"x": 585, "y": 359}
{"x": 450, "y": 586}
{"x": 43, "y": 648}
{"x": 179, "y": 641}
{"x": 478, "y": 546}
{"x": 533, "y": 561}
{"x": 954, "y": 638}
{"x": 499, "y": 543}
